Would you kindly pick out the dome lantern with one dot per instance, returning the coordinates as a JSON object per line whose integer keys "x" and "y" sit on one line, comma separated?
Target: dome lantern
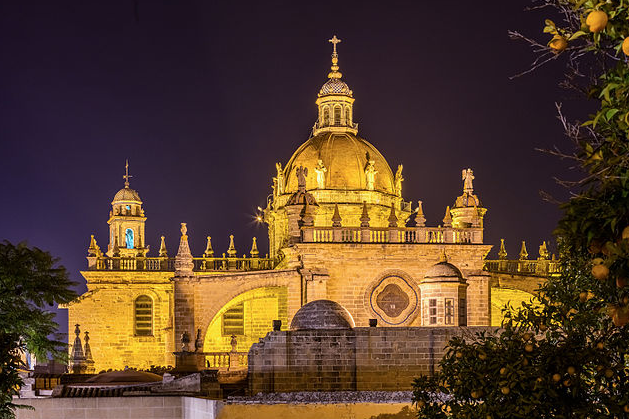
{"x": 335, "y": 101}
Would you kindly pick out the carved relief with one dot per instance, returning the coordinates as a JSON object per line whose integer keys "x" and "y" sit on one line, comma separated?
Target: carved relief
{"x": 392, "y": 300}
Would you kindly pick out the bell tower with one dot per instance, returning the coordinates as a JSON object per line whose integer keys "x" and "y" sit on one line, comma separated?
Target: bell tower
{"x": 126, "y": 222}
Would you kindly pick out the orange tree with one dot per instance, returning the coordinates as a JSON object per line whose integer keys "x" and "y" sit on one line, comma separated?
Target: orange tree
{"x": 566, "y": 358}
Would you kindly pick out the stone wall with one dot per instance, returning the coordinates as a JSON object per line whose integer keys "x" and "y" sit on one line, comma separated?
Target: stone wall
{"x": 359, "y": 359}
{"x": 195, "y": 408}
{"x": 354, "y": 269}
{"x": 106, "y": 311}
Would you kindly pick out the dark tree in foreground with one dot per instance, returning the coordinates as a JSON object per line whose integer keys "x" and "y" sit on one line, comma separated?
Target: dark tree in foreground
{"x": 31, "y": 283}
{"x": 566, "y": 358}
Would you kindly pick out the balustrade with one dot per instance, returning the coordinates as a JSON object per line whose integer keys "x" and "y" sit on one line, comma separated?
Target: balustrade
{"x": 541, "y": 267}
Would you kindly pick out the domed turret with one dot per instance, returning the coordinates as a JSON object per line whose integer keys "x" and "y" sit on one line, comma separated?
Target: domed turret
{"x": 335, "y": 101}
{"x": 322, "y": 314}
{"x": 344, "y": 173}
{"x": 444, "y": 295}
{"x": 126, "y": 222}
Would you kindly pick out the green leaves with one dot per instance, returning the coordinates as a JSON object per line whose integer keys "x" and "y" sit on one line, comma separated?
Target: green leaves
{"x": 31, "y": 282}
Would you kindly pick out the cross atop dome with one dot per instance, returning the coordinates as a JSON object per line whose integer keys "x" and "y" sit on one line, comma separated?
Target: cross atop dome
{"x": 335, "y": 73}
{"x": 334, "y": 41}
{"x": 126, "y": 174}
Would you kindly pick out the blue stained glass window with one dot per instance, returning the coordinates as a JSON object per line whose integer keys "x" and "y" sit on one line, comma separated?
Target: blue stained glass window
{"x": 129, "y": 238}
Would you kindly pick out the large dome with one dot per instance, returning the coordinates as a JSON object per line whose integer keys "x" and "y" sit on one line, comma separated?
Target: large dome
{"x": 322, "y": 314}
{"x": 345, "y": 157}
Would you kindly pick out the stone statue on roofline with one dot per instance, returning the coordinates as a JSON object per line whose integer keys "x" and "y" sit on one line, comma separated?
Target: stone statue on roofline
{"x": 370, "y": 174}
{"x": 279, "y": 178}
{"x": 467, "y": 177}
{"x": 320, "y": 170}
{"x": 301, "y": 172}
{"x": 398, "y": 180}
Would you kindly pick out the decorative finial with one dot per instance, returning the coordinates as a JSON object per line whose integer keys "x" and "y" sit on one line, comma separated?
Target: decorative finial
{"x": 126, "y": 174}
{"x": 336, "y": 217}
{"x": 523, "y": 253}
{"x": 162, "y": 248}
{"x": 364, "y": 218}
{"x": 420, "y": 219}
{"x": 209, "y": 252}
{"x": 184, "y": 229}
{"x": 544, "y": 254}
{"x": 254, "y": 249}
{"x": 502, "y": 253}
{"x": 335, "y": 73}
{"x": 231, "y": 251}
{"x": 443, "y": 258}
{"x": 392, "y": 217}
{"x": 447, "y": 219}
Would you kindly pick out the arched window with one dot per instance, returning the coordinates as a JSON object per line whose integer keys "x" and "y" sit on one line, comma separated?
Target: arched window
{"x": 326, "y": 116}
{"x": 128, "y": 236}
{"x": 143, "y": 316}
{"x": 348, "y": 116}
{"x": 337, "y": 115}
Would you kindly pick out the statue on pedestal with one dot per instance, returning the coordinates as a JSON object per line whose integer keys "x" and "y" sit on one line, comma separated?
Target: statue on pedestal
{"x": 320, "y": 170}
{"x": 370, "y": 174}
{"x": 398, "y": 180}
{"x": 467, "y": 177}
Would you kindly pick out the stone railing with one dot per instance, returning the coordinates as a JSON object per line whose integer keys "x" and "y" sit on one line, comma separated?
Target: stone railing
{"x": 391, "y": 235}
{"x": 226, "y": 360}
{"x": 168, "y": 264}
{"x": 540, "y": 267}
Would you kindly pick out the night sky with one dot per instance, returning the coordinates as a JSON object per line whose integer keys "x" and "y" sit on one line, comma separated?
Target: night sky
{"x": 204, "y": 97}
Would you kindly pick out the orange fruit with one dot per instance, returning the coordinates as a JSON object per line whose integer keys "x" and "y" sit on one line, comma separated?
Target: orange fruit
{"x": 572, "y": 370}
{"x": 609, "y": 373}
{"x": 625, "y": 49}
{"x": 596, "y": 20}
{"x": 505, "y": 390}
{"x": 528, "y": 347}
{"x": 583, "y": 297}
{"x": 503, "y": 371}
{"x": 621, "y": 282}
{"x": 558, "y": 44}
{"x": 556, "y": 377}
{"x": 600, "y": 345}
{"x": 600, "y": 272}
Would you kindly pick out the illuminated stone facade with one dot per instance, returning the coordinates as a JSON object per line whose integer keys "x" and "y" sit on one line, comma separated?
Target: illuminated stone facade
{"x": 339, "y": 229}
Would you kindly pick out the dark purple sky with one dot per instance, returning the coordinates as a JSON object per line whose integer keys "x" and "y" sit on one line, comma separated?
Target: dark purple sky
{"x": 204, "y": 97}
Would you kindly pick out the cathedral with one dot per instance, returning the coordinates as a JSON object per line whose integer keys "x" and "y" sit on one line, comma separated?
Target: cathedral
{"x": 339, "y": 229}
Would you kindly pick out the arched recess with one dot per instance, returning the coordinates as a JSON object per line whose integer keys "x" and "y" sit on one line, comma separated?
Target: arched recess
{"x": 249, "y": 316}
{"x": 500, "y": 297}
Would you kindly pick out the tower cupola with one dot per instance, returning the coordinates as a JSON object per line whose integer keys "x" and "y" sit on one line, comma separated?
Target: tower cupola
{"x": 126, "y": 222}
{"x": 335, "y": 101}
